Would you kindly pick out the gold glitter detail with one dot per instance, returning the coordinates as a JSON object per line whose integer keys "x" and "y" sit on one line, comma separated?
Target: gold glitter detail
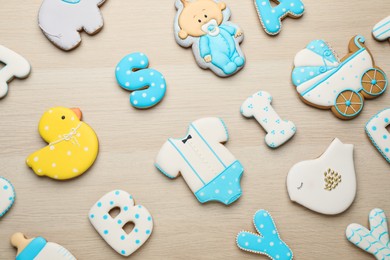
{"x": 332, "y": 180}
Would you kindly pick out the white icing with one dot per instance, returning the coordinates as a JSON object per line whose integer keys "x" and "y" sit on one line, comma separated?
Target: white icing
{"x": 381, "y": 30}
{"x": 306, "y": 180}
{"x": 54, "y": 251}
{"x": 309, "y": 58}
{"x": 378, "y": 133}
{"x": 7, "y": 196}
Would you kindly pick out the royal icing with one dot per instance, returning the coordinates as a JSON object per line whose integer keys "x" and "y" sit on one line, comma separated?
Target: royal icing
{"x": 204, "y": 25}
{"x": 131, "y": 74}
{"x": 323, "y": 81}
{"x": 15, "y": 66}
{"x": 259, "y": 106}
{"x": 7, "y": 196}
{"x": 111, "y": 228}
{"x": 38, "y": 249}
{"x": 73, "y": 145}
{"x": 210, "y": 170}
{"x": 62, "y": 20}
{"x": 267, "y": 241}
{"x": 271, "y": 17}
{"x": 327, "y": 184}
{"x": 374, "y": 241}
{"x": 376, "y": 129}
{"x": 381, "y": 30}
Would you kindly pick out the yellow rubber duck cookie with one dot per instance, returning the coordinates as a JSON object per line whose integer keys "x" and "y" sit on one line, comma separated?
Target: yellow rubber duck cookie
{"x": 73, "y": 145}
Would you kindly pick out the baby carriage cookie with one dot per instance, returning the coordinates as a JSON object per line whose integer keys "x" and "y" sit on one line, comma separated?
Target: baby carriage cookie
{"x": 73, "y": 145}
{"x": 38, "y": 249}
{"x": 376, "y": 130}
{"x": 7, "y": 196}
{"x": 325, "y": 82}
{"x": 381, "y": 30}
{"x": 204, "y": 25}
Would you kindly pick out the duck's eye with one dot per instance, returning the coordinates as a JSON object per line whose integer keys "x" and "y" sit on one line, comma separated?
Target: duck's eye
{"x": 63, "y": 117}
{"x": 205, "y": 16}
{"x": 199, "y": 21}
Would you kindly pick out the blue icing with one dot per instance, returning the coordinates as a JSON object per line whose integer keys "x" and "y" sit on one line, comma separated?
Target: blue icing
{"x": 8, "y": 190}
{"x": 271, "y": 16}
{"x": 71, "y": 1}
{"x": 268, "y": 243}
{"x": 132, "y": 74}
{"x": 321, "y": 48}
{"x": 32, "y": 249}
{"x": 302, "y": 74}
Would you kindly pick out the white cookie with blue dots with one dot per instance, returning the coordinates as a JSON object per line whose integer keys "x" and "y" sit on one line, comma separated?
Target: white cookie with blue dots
{"x": 376, "y": 130}
{"x": 111, "y": 228}
{"x": 7, "y": 196}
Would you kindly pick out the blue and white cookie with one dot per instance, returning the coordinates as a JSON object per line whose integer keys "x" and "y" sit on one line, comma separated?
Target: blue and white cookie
{"x": 381, "y": 30}
{"x": 7, "y": 196}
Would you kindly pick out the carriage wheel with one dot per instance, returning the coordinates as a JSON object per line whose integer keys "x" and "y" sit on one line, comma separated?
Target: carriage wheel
{"x": 348, "y": 104}
{"x": 374, "y": 82}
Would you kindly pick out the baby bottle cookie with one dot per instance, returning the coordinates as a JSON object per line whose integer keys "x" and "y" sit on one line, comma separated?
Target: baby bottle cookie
{"x": 7, "y": 196}
{"x": 204, "y": 25}
{"x": 381, "y": 30}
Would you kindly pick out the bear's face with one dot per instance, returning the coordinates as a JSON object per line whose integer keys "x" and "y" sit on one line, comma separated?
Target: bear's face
{"x": 199, "y": 17}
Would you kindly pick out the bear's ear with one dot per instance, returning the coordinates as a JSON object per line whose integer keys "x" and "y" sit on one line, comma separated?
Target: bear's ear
{"x": 222, "y": 5}
{"x": 184, "y": 2}
{"x": 183, "y": 34}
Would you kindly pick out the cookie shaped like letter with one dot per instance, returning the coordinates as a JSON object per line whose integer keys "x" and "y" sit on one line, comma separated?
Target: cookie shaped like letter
{"x": 376, "y": 130}
{"x": 73, "y": 145}
{"x": 7, "y": 196}
{"x": 259, "y": 106}
{"x": 267, "y": 241}
{"x": 15, "y": 66}
{"x": 38, "y": 249}
{"x": 381, "y": 30}
{"x": 62, "y": 20}
{"x": 210, "y": 170}
{"x": 271, "y": 17}
{"x": 327, "y": 184}
{"x": 376, "y": 240}
{"x": 111, "y": 228}
{"x": 204, "y": 25}
{"x": 148, "y": 85}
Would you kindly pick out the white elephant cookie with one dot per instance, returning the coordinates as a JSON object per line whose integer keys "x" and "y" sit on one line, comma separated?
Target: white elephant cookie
{"x": 62, "y": 20}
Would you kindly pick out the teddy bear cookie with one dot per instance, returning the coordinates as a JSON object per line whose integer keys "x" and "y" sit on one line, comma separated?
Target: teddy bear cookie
{"x": 278, "y": 130}
{"x": 208, "y": 167}
{"x": 38, "y": 249}
{"x": 376, "y": 129}
{"x": 73, "y": 145}
{"x": 61, "y": 21}
{"x": 374, "y": 241}
{"x": 204, "y": 25}
{"x": 324, "y": 81}
{"x": 327, "y": 184}
{"x": 271, "y": 16}
{"x": 110, "y": 228}
{"x": 15, "y": 67}
{"x": 7, "y": 196}
{"x": 267, "y": 241}
{"x": 381, "y": 31}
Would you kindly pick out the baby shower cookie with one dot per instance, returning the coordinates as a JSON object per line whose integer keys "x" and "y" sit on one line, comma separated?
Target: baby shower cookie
{"x": 208, "y": 167}
{"x": 15, "y": 67}
{"x": 38, "y": 249}
{"x": 7, "y": 196}
{"x": 148, "y": 86}
{"x": 204, "y": 25}
{"x": 271, "y": 17}
{"x": 376, "y": 130}
{"x": 381, "y": 30}
{"x": 73, "y": 145}
{"x": 61, "y": 21}
{"x": 259, "y": 106}
{"x": 325, "y": 82}
{"x": 327, "y": 184}
{"x": 111, "y": 228}
{"x": 266, "y": 241}
{"x": 374, "y": 241}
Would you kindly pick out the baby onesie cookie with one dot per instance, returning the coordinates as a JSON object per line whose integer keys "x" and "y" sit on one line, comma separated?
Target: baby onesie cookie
{"x": 327, "y": 184}
{"x": 271, "y": 17}
{"x": 73, "y": 145}
{"x": 210, "y": 170}
{"x": 148, "y": 86}
{"x": 15, "y": 67}
{"x": 376, "y": 130}
{"x": 61, "y": 21}
{"x": 374, "y": 241}
{"x": 111, "y": 228}
{"x": 325, "y": 82}
{"x": 38, "y": 249}
{"x": 381, "y": 30}
{"x": 267, "y": 241}
{"x": 7, "y": 196}
{"x": 204, "y": 25}
{"x": 259, "y": 106}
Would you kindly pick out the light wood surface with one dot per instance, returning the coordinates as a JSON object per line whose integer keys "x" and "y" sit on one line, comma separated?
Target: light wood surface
{"x": 130, "y": 138}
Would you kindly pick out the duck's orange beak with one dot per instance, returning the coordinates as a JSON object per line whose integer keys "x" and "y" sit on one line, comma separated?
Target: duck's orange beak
{"x": 78, "y": 112}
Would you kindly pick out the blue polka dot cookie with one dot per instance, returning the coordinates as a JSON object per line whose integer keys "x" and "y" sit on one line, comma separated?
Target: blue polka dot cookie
{"x": 111, "y": 228}
{"x": 376, "y": 130}
{"x": 7, "y": 196}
